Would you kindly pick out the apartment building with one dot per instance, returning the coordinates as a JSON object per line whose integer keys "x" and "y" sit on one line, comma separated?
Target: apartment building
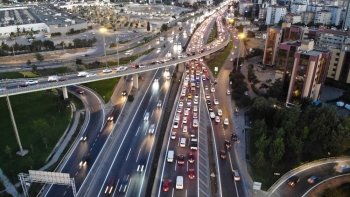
{"x": 275, "y": 13}
{"x": 314, "y": 7}
{"x": 262, "y": 13}
{"x": 292, "y": 18}
{"x": 308, "y": 17}
{"x": 335, "y": 14}
{"x": 297, "y": 8}
{"x": 291, "y": 33}
{"x": 323, "y": 17}
{"x": 273, "y": 39}
{"x": 243, "y": 5}
{"x": 309, "y": 72}
{"x": 285, "y": 60}
{"x": 339, "y": 67}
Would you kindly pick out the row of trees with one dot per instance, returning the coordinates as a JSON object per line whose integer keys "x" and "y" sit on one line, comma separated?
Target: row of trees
{"x": 290, "y": 135}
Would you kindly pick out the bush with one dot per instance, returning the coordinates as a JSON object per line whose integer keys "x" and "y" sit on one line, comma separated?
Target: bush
{"x": 130, "y": 98}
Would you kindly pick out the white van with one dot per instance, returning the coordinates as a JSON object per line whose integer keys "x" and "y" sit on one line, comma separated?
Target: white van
{"x": 121, "y": 68}
{"x": 52, "y": 78}
{"x": 179, "y": 182}
{"x": 212, "y": 115}
{"x": 183, "y": 142}
{"x": 170, "y": 157}
{"x": 177, "y": 116}
{"x": 195, "y": 122}
{"x": 82, "y": 74}
{"x": 219, "y": 112}
{"x": 129, "y": 52}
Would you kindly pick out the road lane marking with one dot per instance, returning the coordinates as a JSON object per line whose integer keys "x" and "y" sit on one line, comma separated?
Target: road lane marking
{"x": 128, "y": 155}
{"x": 137, "y": 131}
{"x": 93, "y": 144}
{"x": 172, "y": 193}
{"x": 76, "y": 174}
{"x": 98, "y": 135}
{"x": 138, "y": 155}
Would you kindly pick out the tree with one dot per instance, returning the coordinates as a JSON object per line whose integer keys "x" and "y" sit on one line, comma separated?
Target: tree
{"x": 53, "y": 120}
{"x": 30, "y": 162}
{"x": 40, "y": 126}
{"x": 34, "y": 68}
{"x": 78, "y": 61}
{"x": 276, "y": 150}
{"x": 39, "y": 57}
{"x": 45, "y": 141}
{"x": 164, "y": 27}
{"x": 259, "y": 159}
{"x": 148, "y": 26}
{"x": 29, "y": 62}
{"x": 8, "y": 151}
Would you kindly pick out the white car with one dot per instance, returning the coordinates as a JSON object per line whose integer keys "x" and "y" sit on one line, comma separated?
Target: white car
{"x": 146, "y": 116}
{"x": 195, "y": 108}
{"x": 31, "y": 82}
{"x": 184, "y": 129}
{"x": 219, "y": 112}
{"x": 184, "y": 119}
{"x": 173, "y": 135}
{"x": 181, "y": 104}
{"x": 179, "y": 109}
{"x": 228, "y": 92}
{"x": 212, "y": 89}
{"x": 159, "y": 104}
{"x": 107, "y": 70}
{"x": 216, "y": 101}
{"x": 195, "y": 101}
{"x": 90, "y": 75}
{"x": 217, "y": 119}
{"x": 186, "y": 112}
{"x": 207, "y": 96}
{"x": 195, "y": 115}
{"x": 151, "y": 129}
{"x": 231, "y": 60}
{"x": 176, "y": 125}
{"x": 226, "y": 121}
{"x": 196, "y": 95}
{"x": 205, "y": 87}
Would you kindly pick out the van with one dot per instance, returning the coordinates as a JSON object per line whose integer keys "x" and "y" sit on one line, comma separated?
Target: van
{"x": 195, "y": 122}
{"x": 212, "y": 115}
{"x": 82, "y": 74}
{"x": 170, "y": 157}
{"x": 129, "y": 52}
{"x": 219, "y": 112}
{"x": 179, "y": 182}
{"x": 177, "y": 116}
{"x": 183, "y": 93}
{"x": 183, "y": 142}
{"x": 52, "y": 78}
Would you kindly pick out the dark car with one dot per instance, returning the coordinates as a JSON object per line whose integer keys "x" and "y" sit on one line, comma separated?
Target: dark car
{"x": 110, "y": 186}
{"x": 192, "y": 133}
{"x": 293, "y": 180}
{"x": 227, "y": 144}
{"x": 191, "y": 157}
{"x": 124, "y": 185}
{"x": 268, "y": 80}
{"x": 166, "y": 185}
{"x": 23, "y": 85}
{"x": 141, "y": 165}
{"x": 124, "y": 93}
{"x": 234, "y": 137}
{"x": 84, "y": 137}
{"x": 85, "y": 160}
{"x": 223, "y": 154}
{"x": 208, "y": 102}
{"x": 180, "y": 159}
{"x": 313, "y": 179}
{"x": 110, "y": 118}
{"x": 62, "y": 79}
{"x": 79, "y": 91}
{"x": 210, "y": 108}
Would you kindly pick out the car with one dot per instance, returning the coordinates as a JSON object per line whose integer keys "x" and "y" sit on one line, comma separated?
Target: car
{"x": 110, "y": 186}
{"x": 182, "y": 98}
{"x": 31, "y": 82}
{"x": 227, "y": 144}
{"x": 110, "y": 118}
{"x": 223, "y": 154}
{"x": 234, "y": 137}
{"x": 184, "y": 129}
{"x": 181, "y": 104}
{"x": 61, "y": 79}
{"x": 93, "y": 33}
{"x": 180, "y": 159}
{"x": 189, "y": 103}
{"x": 195, "y": 115}
{"x": 210, "y": 108}
{"x": 291, "y": 181}
{"x": 84, "y": 55}
{"x": 192, "y": 133}
{"x": 231, "y": 59}
{"x": 151, "y": 128}
{"x": 196, "y": 95}
{"x": 179, "y": 109}
{"x": 212, "y": 89}
{"x": 312, "y": 179}
{"x": 236, "y": 176}
{"x": 191, "y": 157}
{"x": 195, "y": 108}
{"x": 124, "y": 184}
{"x": 176, "y": 125}
{"x": 217, "y": 118}
{"x": 343, "y": 169}
{"x": 228, "y": 92}
{"x": 22, "y": 85}
{"x": 207, "y": 96}
{"x": 141, "y": 165}
{"x": 189, "y": 96}
{"x": 184, "y": 119}
{"x": 124, "y": 93}
{"x": 106, "y": 70}
{"x": 226, "y": 121}
{"x": 205, "y": 87}
{"x": 146, "y": 116}
{"x": 186, "y": 112}
{"x": 159, "y": 104}
{"x": 79, "y": 91}
{"x": 166, "y": 185}
{"x": 84, "y": 160}
{"x": 191, "y": 174}
{"x": 219, "y": 112}
{"x": 173, "y": 135}
{"x": 216, "y": 101}
{"x": 90, "y": 75}
{"x": 84, "y": 137}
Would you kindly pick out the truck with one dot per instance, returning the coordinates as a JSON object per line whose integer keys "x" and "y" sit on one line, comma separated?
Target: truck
{"x": 161, "y": 38}
{"x": 179, "y": 23}
{"x": 193, "y": 144}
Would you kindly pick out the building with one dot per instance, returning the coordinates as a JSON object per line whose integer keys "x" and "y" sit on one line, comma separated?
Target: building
{"x": 239, "y": 22}
{"x": 252, "y": 28}
{"x": 292, "y": 18}
{"x": 297, "y": 8}
{"x": 273, "y": 39}
{"x": 308, "y": 17}
{"x": 339, "y": 67}
{"x": 335, "y": 14}
{"x": 314, "y": 8}
{"x": 291, "y": 33}
{"x": 309, "y": 73}
{"x": 262, "y": 13}
{"x": 243, "y": 6}
{"x": 323, "y": 17}
{"x": 331, "y": 38}
{"x": 260, "y": 34}
{"x": 275, "y": 14}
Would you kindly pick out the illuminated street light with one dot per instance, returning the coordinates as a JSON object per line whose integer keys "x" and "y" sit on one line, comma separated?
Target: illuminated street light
{"x": 241, "y": 36}
{"x": 103, "y": 31}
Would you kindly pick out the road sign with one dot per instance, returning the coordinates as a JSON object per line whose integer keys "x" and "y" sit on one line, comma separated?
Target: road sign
{"x": 276, "y": 174}
{"x": 256, "y": 186}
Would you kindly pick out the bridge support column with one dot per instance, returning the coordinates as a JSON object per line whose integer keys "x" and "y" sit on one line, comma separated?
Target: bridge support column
{"x": 65, "y": 93}
{"x": 181, "y": 67}
{"x": 135, "y": 81}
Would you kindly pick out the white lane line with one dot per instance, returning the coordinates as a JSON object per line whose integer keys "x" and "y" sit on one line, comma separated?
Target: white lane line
{"x": 172, "y": 193}
{"x": 98, "y": 135}
{"x": 137, "y": 131}
{"x": 93, "y": 144}
{"x": 138, "y": 155}
{"x": 128, "y": 155}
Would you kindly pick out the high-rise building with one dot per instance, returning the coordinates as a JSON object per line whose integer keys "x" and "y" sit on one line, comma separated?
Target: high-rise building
{"x": 309, "y": 72}
{"x": 275, "y": 13}
{"x": 291, "y": 32}
{"x": 308, "y": 17}
{"x": 323, "y": 17}
{"x": 335, "y": 13}
{"x": 297, "y": 8}
{"x": 273, "y": 39}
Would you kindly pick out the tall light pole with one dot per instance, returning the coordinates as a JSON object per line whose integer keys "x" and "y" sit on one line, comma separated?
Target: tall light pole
{"x": 66, "y": 30}
{"x": 241, "y": 36}
{"x": 103, "y": 31}
{"x": 117, "y": 42}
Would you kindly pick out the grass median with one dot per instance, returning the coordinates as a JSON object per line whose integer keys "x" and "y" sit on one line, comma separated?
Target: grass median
{"x": 220, "y": 59}
{"x": 104, "y": 88}
{"x": 213, "y": 33}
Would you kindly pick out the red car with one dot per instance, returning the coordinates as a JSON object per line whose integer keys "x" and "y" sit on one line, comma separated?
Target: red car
{"x": 191, "y": 157}
{"x": 166, "y": 185}
{"x": 79, "y": 91}
{"x": 191, "y": 173}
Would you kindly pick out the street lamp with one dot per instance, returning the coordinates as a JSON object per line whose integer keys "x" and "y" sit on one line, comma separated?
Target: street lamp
{"x": 241, "y": 36}
{"x": 117, "y": 41}
{"x": 66, "y": 30}
{"x": 103, "y": 31}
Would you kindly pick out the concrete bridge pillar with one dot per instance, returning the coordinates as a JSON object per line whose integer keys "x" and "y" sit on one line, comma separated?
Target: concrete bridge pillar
{"x": 135, "y": 80}
{"x": 65, "y": 92}
{"x": 181, "y": 67}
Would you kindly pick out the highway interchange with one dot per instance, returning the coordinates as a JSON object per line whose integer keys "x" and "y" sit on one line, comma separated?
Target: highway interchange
{"x": 113, "y": 161}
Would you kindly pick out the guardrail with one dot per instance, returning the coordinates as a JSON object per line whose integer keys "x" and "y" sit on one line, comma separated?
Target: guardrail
{"x": 40, "y": 87}
{"x": 286, "y": 175}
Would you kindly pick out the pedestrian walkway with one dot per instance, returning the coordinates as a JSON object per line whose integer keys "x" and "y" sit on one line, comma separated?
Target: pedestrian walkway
{"x": 10, "y": 188}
